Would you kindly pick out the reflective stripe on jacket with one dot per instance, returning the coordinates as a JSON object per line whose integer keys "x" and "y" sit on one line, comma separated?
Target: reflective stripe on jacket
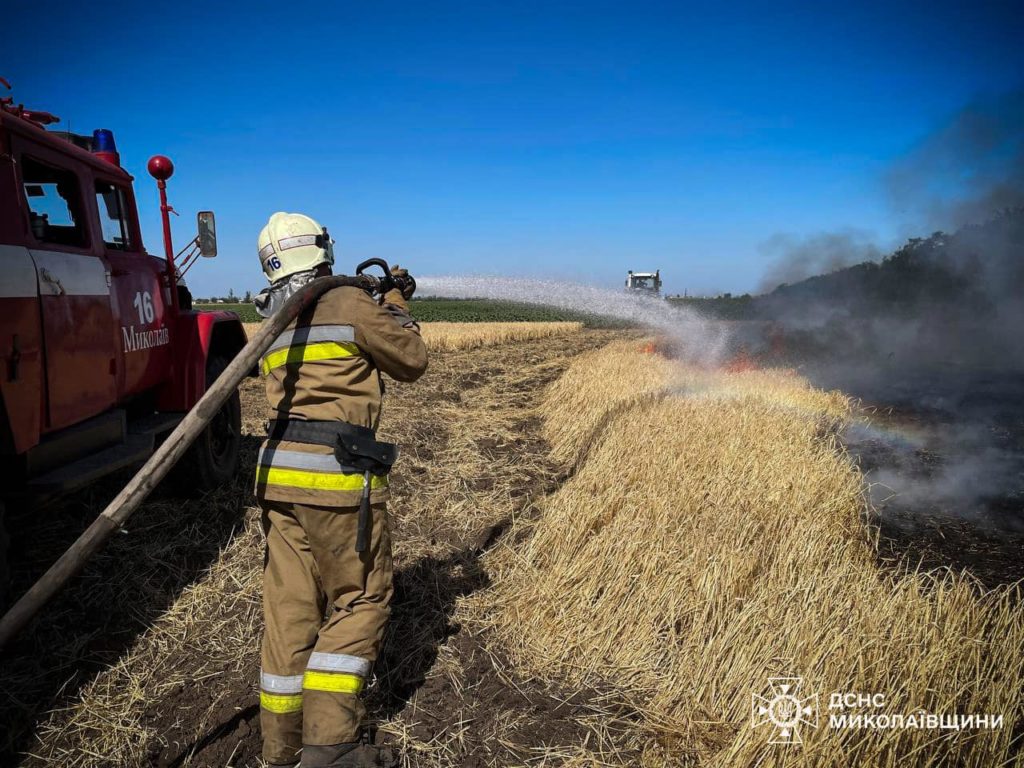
{"x": 327, "y": 367}
{"x": 301, "y": 469}
{"x": 313, "y": 342}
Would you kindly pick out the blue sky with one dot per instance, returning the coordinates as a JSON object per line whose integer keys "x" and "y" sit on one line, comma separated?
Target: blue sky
{"x": 573, "y": 140}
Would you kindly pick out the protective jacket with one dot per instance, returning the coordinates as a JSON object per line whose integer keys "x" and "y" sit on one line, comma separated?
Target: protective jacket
{"x": 327, "y": 367}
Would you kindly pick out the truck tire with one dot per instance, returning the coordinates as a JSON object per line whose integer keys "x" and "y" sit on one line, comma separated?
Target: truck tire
{"x": 212, "y": 460}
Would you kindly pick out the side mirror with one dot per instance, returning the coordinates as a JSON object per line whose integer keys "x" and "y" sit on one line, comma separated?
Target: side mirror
{"x": 207, "y": 233}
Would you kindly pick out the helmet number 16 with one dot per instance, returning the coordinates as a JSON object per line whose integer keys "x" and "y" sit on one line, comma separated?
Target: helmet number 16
{"x": 274, "y": 262}
{"x": 144, "y": 306}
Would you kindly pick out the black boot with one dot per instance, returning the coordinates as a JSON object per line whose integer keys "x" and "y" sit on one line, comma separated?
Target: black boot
{"x": 356, "y": 754}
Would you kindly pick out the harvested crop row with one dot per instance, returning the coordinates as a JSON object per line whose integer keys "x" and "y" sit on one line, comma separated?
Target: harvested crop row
{"x": 449, "y": 337}
{"x": 712, "y": 537}
{"x": 452, "y": 336}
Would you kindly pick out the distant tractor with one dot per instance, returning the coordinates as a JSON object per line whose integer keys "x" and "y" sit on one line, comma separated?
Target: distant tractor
{"x": 644, "y": 282}
{"x": 101, "y": 354}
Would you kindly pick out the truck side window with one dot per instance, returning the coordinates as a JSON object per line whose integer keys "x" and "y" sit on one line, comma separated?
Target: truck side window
{"x": 54, "y": 204}
{"x": 113, "y": 220}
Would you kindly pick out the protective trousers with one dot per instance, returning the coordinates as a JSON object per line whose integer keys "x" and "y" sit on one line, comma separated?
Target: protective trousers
{"x": 313, "y": 668}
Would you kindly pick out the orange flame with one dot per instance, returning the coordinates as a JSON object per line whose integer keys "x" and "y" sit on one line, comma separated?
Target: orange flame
{"x": 741, "y": 362}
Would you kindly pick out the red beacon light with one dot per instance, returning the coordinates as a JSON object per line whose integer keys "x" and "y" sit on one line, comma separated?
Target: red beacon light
{"x": 104, "y": 148}
{"x": 160, "y": 167}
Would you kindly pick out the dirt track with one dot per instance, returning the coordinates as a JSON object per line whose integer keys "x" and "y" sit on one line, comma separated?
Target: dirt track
{"x": 152, "y": 652}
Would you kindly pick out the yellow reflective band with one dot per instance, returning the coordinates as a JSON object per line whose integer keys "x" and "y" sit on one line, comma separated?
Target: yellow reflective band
{"x": 333, "y": 682}
{"x": 317, "y": 481}
{"x": 281, "y": 704}
{"x": 308, "y": 353}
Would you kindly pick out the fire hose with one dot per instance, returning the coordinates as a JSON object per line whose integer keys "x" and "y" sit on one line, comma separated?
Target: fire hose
{"x": 174, "y": 447}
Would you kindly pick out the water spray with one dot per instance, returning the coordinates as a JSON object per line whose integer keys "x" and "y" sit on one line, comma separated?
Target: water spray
{"x": 692, "y": 336}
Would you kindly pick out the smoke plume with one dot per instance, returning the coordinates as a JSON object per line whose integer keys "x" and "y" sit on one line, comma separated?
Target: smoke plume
{"x": 935, "y": 329}
{"x": 794, "y": 258}
{"x": 969, "y": 168}
{"x": 964, "y": 172}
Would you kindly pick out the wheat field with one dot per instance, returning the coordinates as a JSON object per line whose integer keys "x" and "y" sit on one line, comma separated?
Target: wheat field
{"x": 601, "y": 559}
{"x": 453, "y": 336}
{"x": 449, "y": 337}
{"x": 713, "y": 535}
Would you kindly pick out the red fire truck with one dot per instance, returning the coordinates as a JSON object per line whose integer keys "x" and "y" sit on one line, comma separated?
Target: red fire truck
{"x": 102, "y": 354}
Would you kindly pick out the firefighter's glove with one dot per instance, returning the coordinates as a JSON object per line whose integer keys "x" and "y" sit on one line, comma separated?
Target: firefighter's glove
{"x": 404, "y": 282}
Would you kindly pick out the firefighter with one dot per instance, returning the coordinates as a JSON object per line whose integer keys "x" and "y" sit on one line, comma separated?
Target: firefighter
{"x": 321, "y": 484}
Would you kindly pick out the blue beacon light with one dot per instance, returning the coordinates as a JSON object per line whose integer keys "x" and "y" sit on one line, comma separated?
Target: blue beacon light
{"x": 103, "y": 146}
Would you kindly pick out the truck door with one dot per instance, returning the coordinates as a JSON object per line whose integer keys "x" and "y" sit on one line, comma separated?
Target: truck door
{"x": 138, "y": 293}
{"x": 21, "y": 347}
{"x": 74, "y": 290}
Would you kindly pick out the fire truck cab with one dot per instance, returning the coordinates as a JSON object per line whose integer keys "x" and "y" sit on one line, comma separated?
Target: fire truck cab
{"x": 100, "y": 352}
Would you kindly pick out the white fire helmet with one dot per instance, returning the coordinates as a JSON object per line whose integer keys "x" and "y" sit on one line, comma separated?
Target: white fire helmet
{"x": 293, "y": 242}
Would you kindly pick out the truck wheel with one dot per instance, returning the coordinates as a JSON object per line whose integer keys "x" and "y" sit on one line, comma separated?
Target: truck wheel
{"x": 5, "y": 572}
{"x": 212, "y": 461}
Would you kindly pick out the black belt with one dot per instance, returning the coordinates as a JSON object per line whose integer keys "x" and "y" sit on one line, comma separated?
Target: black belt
{"x": 356, "y": 447}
